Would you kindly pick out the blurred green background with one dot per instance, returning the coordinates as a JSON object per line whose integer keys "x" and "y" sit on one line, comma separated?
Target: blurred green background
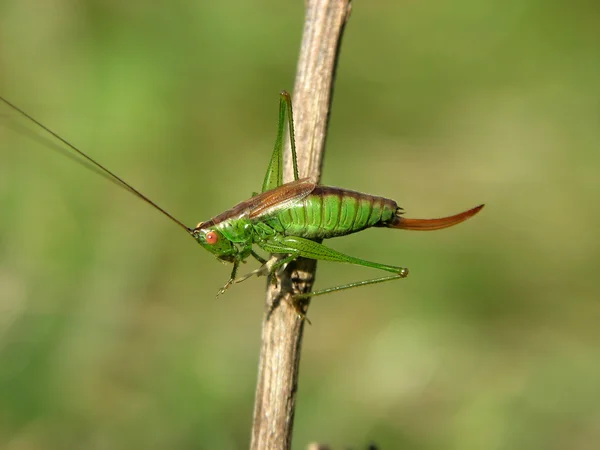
{"x": 110, "y": 334}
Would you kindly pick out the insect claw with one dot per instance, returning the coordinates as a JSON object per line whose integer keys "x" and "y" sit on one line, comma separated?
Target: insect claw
{"x": 225, "y": 287}
{"x": 281, "y": 269}
{"x": 299, "y": 313}
{"x": 305, "y": 318}
{"x": 263, "y": 270}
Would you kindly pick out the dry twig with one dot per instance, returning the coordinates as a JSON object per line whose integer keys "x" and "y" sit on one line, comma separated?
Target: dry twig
{"x": 282, "y": 330}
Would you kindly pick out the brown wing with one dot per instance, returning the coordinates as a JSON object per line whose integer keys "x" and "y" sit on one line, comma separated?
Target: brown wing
{"x": 271, "y": 201}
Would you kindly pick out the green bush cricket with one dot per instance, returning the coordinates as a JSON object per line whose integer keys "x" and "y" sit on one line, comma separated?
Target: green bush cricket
{"x": 289, "y": 218}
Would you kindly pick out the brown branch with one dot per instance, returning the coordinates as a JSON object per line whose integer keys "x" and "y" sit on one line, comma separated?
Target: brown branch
{"x": 282, "y": 329}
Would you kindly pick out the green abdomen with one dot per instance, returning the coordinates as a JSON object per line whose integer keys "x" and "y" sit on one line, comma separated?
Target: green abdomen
{"x": 329, "y": 212}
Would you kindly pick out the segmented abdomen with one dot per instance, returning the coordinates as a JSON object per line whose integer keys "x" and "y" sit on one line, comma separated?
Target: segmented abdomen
{"x": 329, "y": 212}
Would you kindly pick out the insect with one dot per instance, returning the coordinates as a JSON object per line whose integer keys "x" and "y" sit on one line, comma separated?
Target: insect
{"x": 289, "y": 218}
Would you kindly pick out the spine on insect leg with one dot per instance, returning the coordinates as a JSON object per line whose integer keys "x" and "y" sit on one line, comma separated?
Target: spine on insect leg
{"x": 330, "y": 212}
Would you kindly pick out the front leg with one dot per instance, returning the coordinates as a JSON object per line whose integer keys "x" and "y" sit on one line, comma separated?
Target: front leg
{"x": 267, "y": 267}
{"x": 231, "y": 280}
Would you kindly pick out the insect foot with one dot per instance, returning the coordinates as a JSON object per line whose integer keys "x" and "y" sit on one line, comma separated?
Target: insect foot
{"x": 225, "y": 287}
{"x": 301, "y": 314}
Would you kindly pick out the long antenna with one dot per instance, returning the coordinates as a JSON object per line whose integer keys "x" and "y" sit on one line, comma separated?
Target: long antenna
{"x": 111, "y": 175}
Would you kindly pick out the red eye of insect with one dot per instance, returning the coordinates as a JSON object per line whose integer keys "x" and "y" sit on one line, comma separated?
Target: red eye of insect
{"x": 211, "y": 237}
